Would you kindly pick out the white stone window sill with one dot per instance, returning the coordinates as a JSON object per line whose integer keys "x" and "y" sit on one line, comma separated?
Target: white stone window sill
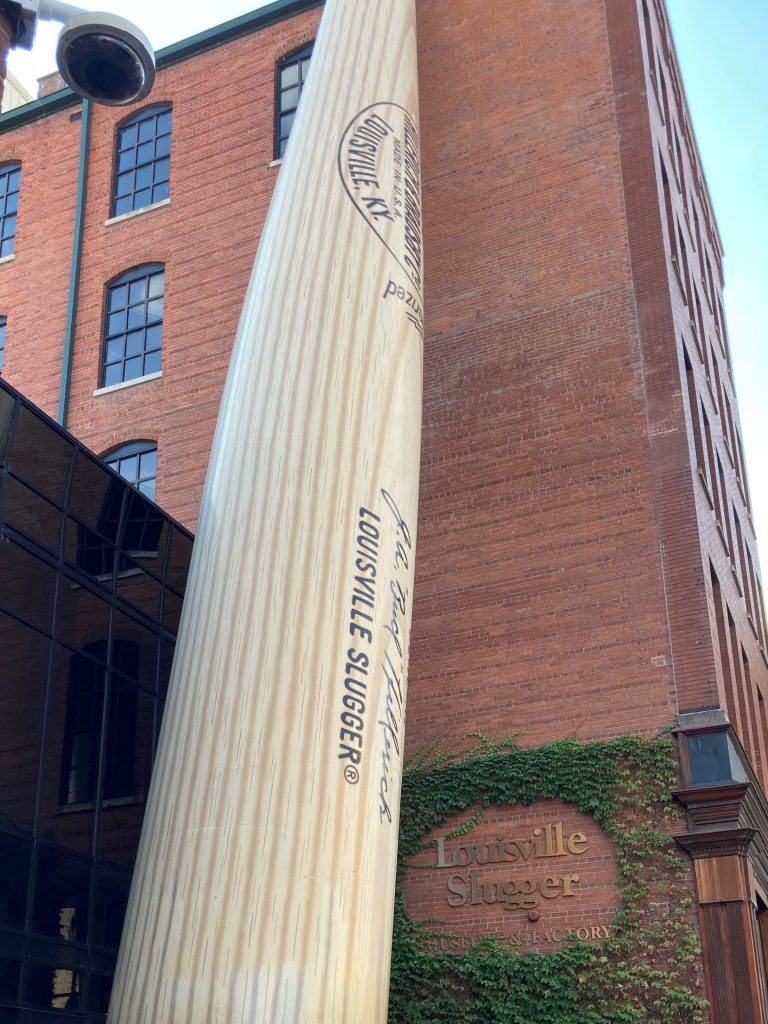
{"x": 276, "y": 163}
{"x": 136, "y": 213}
{"x": 8, "y": 258}
{"x": 127, "y": 383}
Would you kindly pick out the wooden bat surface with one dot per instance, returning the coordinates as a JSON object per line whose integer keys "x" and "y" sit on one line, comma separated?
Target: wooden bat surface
{"x": 264, "y": 885}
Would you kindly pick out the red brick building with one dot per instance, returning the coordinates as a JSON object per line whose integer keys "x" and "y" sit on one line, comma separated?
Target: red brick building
{"x": 587, "y": 564}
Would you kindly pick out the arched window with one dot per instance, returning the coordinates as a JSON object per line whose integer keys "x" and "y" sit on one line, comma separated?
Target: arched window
{"x": 292, "y": 73}
{"x": 10, "y": 179}
{"x": 3, "y": 323}
{"x": 142, "y": 161}
{"x": 133, "y": 327}
{"x": 137, "y": 463}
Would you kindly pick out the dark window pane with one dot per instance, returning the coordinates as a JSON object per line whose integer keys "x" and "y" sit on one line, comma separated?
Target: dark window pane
{"x": 62, "y": 894}
{"x": 138, "y": 150}
{"x": 137, "y": 290}
{"x": 136, "y": 316}
{"x": 128, "y": 137}
{"x": 6, "y": 247}
{"x": 115, "y": 350}
{"x": 32, "y": 515}
{"x": 110, "y": 899}
{"x": 93, "y": 498}
{"x": 83, "y": 617}
{"x": 27, "y": 586}
{"x": 133, "y": 368}
{"x": 124, "y": 184}
{"x": 155, "y": 310}
{"x": 12, "y": 203}
{"x": 156, "y": 285}
{"x": 180, "y": 557}
{"x": 15, "y": 853}
{"x": 147, "y": 129}
{"x": 289, "y": 75}
{"x": 292, "y": 72}
{"x": 144, "y": 176}
{"x": 154, "y": 337}
{"x": 145, "y": 153}
{"x": 152, "y": 362}
{"x": 160, "y": 192}
{"x": 122, "y": 206}
{"x": 118, "y": 296}
{"x": 134, "y": 343}
{"x": 10, "y": 975}
{"x": 41, "y": 457}
{"x": 113, "y": 374}
{"x": 162, "y": 170}
{"x": 290, "y": 98}
{"x": 116, "y": 322}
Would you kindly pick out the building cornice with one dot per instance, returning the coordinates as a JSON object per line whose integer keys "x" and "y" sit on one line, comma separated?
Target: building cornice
{"x": 255, "y": 21}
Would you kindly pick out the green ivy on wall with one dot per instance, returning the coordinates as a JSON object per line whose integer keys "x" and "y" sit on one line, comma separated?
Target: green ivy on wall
{"x": 646, "y": 971}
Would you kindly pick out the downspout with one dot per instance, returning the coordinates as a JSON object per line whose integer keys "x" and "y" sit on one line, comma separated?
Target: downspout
{"x": 74, "y": 274}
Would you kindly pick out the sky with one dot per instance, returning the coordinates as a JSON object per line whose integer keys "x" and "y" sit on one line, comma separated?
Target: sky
{"x": 721, "y": 47}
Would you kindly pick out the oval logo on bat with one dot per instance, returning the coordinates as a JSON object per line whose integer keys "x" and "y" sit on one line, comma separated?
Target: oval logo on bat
{"x": 379, "y": 166}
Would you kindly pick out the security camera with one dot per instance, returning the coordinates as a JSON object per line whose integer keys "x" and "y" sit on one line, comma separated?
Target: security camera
{"x": 103, "y": 57}
{"x": 106, "y": 59}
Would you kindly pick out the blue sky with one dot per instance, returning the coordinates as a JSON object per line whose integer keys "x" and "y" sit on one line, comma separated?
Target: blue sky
{"x": 721, "y": 46}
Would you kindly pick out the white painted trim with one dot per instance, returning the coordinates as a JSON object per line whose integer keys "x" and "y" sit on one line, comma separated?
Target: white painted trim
{"x": 136, "y": 213}
{"x": 8, "y": 258}
{"x": 276, "y": 163}
{"x": 127, "y": 383}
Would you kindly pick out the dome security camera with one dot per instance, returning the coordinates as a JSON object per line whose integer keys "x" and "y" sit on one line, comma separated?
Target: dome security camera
{"x": 105, "y": 58}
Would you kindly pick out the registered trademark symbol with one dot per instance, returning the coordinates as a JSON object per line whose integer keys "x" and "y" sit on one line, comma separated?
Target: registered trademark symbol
{"x": 351, "y": 774}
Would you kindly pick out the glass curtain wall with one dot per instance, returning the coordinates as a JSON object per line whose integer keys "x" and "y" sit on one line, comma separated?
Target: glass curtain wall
{"x": 92, "y": 578}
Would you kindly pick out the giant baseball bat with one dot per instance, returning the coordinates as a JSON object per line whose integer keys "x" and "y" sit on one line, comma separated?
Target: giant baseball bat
{"x": 263, "y": 889}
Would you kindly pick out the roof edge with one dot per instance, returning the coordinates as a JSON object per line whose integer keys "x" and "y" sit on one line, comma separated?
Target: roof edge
{"x": 210, "y": 38}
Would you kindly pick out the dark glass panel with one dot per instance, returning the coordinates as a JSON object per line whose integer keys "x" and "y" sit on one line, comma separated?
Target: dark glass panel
{"x": 289, "y": 76}
{"x": 110, "y": 899}
{"x": 124, "y": 184}
{"x": 290, "y": 98}
{"x": 123, "y": 205}
{"x": 133, "y": 368}
{"x": 172, "y": 611}
{"x": 57, "y": 820}
{"x": 12, "y": 203}
{"x": 710, "y": 758}
{"x": 134, "y": 342}
{"x": 135, "y": 586}
{"x": 162, "y": 170}
{"x": 144, "y": 176}
{"x": 154, "y": 338}
{"x": 51, "y": 985}
{"x": 96, "y": 497}
{"x": 145, "y": 153}
{"x": 142, "y": 198}
{"x": 7, "y": 247}
{"x": 41, "y": 456}
{"x": 83, "y": 618}
{"x": 142, "y": 669}
{"x": 164, "y": 122}
{"x": 125, "y": 161}
{"x": 167, "y": 650}
{"x": 156, "y": 285}
{"x": 118, "y": 296}
{"x": 10, "y": 976}
{"x": 128, "y": 137}
{"x": 163, "y": 146}
{"x": 160, "y": 192}
{"x": 113, "y": 374}
{"x": 24, "y": 663}
{"x": 27, "y": 586}
{"x": 137, "y": 290}
{"x": 7, "y": 406}
{"x": 15, "y": 854}
{"x": 32, "y": 515}
{"x": 180, "y": 557}
{"x": 62, "y": 895}
{"x": 147, "y": 129}
{"x": 116, "y": 322}
{"x": 98, "y": 991}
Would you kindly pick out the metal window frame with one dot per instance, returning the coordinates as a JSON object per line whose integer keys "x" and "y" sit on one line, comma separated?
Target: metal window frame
{"x": 145, "y": 114}
{"x": 145, "y": 271}
{"x": 294, "y": 57}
